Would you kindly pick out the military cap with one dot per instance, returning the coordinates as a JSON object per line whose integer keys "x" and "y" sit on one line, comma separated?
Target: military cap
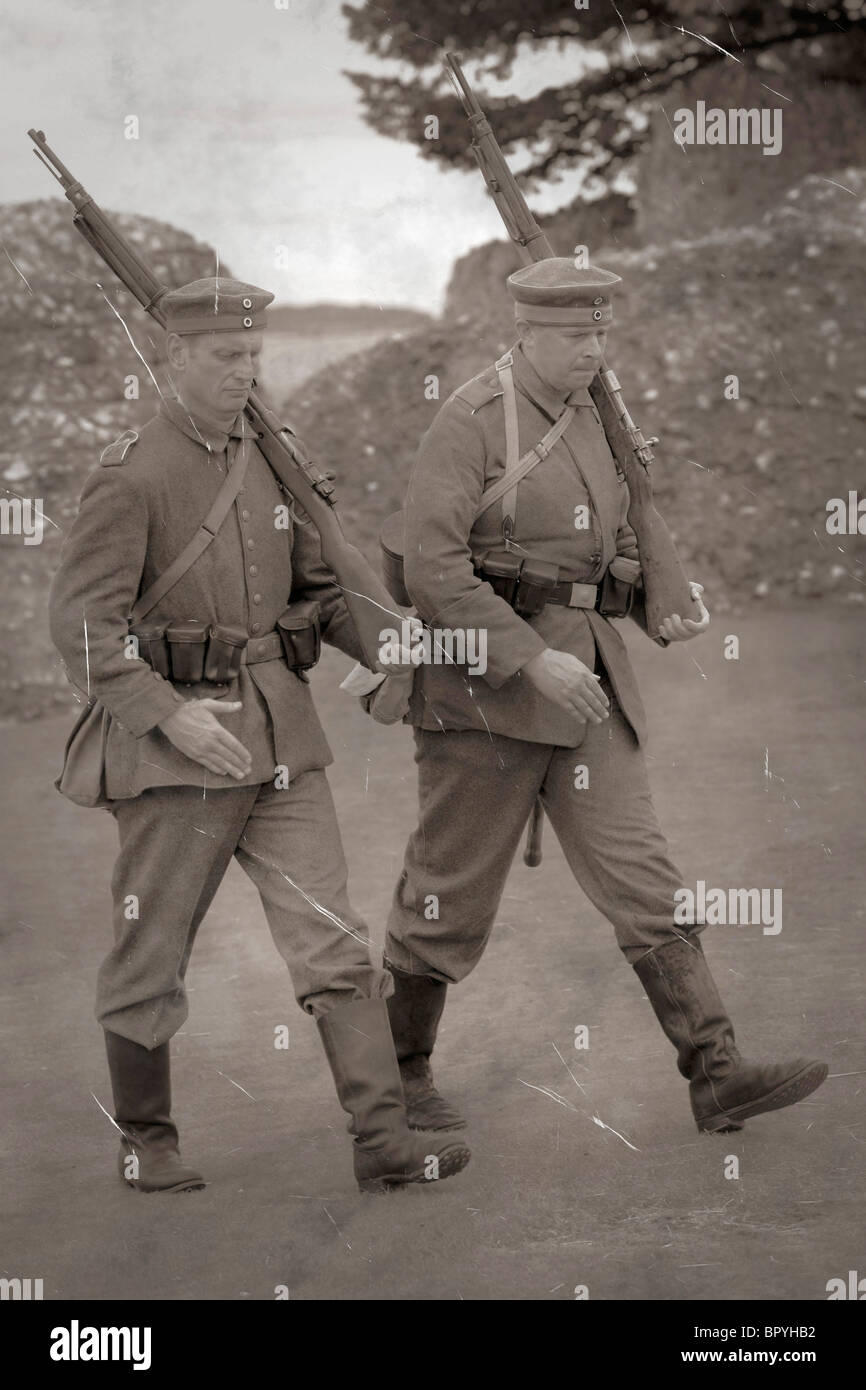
{"x": 554, "y": 291}
{"x": 215, "y": 305}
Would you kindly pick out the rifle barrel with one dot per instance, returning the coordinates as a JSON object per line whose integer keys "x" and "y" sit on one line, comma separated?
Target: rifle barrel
{"x": 467, "y": 96}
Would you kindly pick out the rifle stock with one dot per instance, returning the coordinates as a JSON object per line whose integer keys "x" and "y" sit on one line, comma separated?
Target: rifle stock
{"x": 666, "y": 587}
{"x": 366, "y": 597}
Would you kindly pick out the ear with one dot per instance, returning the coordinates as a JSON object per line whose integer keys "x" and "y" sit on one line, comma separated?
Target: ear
{"x": 525, "y": 333}
{"x": 177, "y": 351}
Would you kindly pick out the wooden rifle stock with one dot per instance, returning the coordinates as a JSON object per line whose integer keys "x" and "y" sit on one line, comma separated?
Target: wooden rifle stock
{"x": 367, "y": 599}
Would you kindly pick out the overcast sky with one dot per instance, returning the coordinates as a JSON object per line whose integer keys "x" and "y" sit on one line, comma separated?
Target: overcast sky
{"x": 250, "y": 137}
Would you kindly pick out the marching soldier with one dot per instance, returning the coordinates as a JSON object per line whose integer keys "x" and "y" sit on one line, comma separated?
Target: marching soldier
{"x": 213, "y": 747}
{"x": 541, "y": 570}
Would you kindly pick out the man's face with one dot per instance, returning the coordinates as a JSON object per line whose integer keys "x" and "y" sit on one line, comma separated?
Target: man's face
{"x": 215, "y": 371}
{"x": 566, "y": 358}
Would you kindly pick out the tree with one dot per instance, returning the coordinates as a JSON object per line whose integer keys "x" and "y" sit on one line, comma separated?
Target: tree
{"x": 599, "y": 120}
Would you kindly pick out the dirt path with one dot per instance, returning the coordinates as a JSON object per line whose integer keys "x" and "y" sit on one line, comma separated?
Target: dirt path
{"x": 552, "y": 1199}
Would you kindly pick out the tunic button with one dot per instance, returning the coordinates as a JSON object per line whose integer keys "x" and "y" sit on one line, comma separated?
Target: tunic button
{"x": 254, "y": 569}
{"x": 250, "y": 543}
{"x": 245, "y": 514}
{"x": 262, "y": 649}
{"x": 255, "y": 627}
{"x": 594, "y": 558}
{"x": 257, "y": 598}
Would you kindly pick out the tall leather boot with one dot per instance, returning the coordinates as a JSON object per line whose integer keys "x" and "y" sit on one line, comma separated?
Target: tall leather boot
{"x": 415, "y": 1009}
{"x": 359, "y": 1047}
{"x": 725, "y": 1089}
{"x": 149, "y": 1159}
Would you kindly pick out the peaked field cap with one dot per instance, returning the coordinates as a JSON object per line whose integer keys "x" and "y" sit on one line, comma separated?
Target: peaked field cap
{"x": 555, "y": 291}
{"x": 215, "y": 305}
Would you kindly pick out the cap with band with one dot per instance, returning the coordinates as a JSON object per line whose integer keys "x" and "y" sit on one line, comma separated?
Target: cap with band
{"x": 215, "y": 305}
{"x": 554, "y": 291}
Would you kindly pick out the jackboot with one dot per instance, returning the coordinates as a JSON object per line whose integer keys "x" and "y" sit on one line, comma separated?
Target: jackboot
{"x": 415, "y": 1009}
{"x": 149, "y": 1158}
{"x": 360, "y": 1050}
{"x": 725, "y": 1089}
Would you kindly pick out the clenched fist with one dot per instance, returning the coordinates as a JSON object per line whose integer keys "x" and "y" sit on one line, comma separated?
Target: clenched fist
{"x": 565, "y": 680}
{"x": 195, "y": 731}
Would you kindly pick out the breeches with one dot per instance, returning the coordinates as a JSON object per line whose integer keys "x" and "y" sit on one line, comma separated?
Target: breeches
{"x": 476, "y": 792}
{"x": 175, "y": 846}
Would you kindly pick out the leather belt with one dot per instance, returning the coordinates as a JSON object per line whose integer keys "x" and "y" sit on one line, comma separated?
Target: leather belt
{"x": 573, "y": 595}
{"x": 268, "y": 647}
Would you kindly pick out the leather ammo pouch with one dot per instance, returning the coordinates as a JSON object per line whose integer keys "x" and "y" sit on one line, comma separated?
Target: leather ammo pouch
{"x": 524, "y": 584}
{"x": 225, "y": 650}
{"x": 301, "y": 634}
{"x": 617, "y": 587}
{"x": 152, "y": 647}
{"x": 187, "y": 643}
{"x": 502, "y": 573}
{"x": 537, "y": 579}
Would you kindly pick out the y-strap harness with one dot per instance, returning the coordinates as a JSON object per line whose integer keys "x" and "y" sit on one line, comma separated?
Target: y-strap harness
{"x": 504, "y": 490}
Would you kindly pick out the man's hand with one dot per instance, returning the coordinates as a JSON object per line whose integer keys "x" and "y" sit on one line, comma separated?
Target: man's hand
{"x": 194, "y": 730}
{"x": 677, "y": 629}
{"x": 400, "y": 660}
{"x": 569, "y": 684}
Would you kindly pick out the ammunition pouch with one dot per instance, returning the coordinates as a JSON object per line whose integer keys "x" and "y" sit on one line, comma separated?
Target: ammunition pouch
{"x": 502, "y": 573}
{"x": 190, "y": 652}
{"x": 187, "y": 646}
{"x": 225, "y": 651}
{"x": 616, "y": 594}
{"x": 538, "y": 579}
{"x": 152, "y": 647}
{"x": 301, "y": 635}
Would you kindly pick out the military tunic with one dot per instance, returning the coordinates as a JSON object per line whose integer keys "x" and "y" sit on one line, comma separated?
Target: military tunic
{"x": 463, "y": 452}
{"x": 179, "y": 824}
{"x": 487, "y": 746}
{"x": 138, "y": 510}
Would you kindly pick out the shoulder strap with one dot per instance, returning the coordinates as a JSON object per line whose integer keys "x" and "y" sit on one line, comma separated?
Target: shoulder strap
{"x": 516, "y": 468}
{"x": 512, "y": 443}
{"x": 223, "y": 502}
{"x": 482, "y": 389}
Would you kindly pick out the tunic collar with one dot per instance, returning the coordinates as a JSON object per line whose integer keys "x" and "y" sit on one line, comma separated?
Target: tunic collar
{"x": 202, "y": 431}
{"x": 537, "y": 389}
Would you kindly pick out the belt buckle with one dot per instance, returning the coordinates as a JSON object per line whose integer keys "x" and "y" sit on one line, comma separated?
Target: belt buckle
{"x": 583, "y": 596}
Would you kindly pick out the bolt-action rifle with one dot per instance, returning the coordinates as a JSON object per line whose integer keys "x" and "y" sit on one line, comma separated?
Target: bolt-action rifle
{"x": 367, "y": 599}
{"x": 665, "y": 584}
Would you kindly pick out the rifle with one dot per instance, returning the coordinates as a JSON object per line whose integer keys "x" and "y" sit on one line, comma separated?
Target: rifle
{"x": 665, "y": 584}
{"x": 666, "y": 588}
{"x": 366, "y": 597}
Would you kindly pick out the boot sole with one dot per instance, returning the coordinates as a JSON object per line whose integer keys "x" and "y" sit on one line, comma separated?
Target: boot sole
{"x": 454, "y": 1160}
{"x": 794, "y": 1089}
{"x": 189, "y": 1186}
